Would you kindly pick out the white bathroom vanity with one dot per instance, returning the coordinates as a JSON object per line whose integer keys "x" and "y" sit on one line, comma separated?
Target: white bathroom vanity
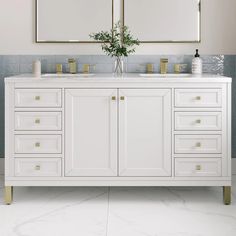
{"x": 132, "y": 130}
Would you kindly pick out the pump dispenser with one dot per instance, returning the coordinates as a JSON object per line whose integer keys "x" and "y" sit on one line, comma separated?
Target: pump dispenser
{"x": 197, "y": 64}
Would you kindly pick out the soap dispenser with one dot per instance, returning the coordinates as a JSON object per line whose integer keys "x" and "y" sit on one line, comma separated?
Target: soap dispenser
{"x": 197, "y": 64}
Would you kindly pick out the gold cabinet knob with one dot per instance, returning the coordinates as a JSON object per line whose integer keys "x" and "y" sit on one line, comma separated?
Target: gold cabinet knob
{"x": 198, "y": 98}
{"x": 198, "y": 121}
{"x": 37, "y": 144}
{"x": 113, "y": 98}
{"x": 37, "y": 98}
{"x": 198, "y": 144}
{"x": 37, "y": 121}
{"x": 122, "y": 98}
{"x": 37, "y": 167}
{"x": 198, "y": 167}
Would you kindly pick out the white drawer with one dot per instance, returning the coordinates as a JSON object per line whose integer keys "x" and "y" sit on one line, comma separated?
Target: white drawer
{"x": 38, "y": 144}
{"x": 198, "y": 97}
{"x": 37, "y": 167}
{"x": 37, "y": 97}
{"x": 37, "y": 120}
{"x": 198, "y": 144}
{"x": 197, "y": 167}
{"x": 198, "y": 121}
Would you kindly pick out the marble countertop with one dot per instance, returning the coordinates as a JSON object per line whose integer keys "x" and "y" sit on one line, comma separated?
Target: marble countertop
{"x": 131, "y": 77}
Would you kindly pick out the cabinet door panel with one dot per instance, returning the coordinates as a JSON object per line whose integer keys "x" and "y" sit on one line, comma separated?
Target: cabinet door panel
{"x": 145, "y": 132}
{"x": 90, "y": 132}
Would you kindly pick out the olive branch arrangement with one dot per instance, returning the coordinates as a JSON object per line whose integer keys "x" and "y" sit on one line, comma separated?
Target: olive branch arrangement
{"x": 118, "y": 42}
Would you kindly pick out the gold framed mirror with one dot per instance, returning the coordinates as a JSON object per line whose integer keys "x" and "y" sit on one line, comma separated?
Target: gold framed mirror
{"x": 164, "y": 21}
{"x": 71, "y": 21}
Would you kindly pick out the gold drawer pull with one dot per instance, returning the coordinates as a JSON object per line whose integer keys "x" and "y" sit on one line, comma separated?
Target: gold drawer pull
{"x": 113, "y": 98}
{"x": 122, "y": 98}
{"x": 37, "y": 167}
{"x": 198, "y": 121}
{"x": 37, "y": 144}
{"x": 198, "y": 98}
{"x": 198, "y": 167}
{"x": 37, "y": 98}
{"x": 198, "y": 144}
{"x": 37, "y": 121}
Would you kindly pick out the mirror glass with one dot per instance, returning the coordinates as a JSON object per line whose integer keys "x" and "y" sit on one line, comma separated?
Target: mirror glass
{"x": 72, "y": 20}
{"x": 163, "y": 20}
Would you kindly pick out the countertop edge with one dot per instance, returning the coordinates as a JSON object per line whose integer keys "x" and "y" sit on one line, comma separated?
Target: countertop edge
{"x": 110, "y": 78}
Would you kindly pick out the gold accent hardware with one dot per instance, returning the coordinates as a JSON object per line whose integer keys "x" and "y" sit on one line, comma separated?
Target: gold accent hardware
{"x": 198, "y": 121}
{"x": 198, "y": 167}
{"x": 227, "y": 195}
{"x": 177, "y": 68}
{"x": 149, "y": 68}
{"x": 37, "y": 144}
{"x": 122, "y": 98}
{"x": 8, "y": 194}
{"x": 37, "y": 121}
{"x": 72, "y": 66}
{"x": 59, "y": 68}
{"x": 113, "y": 98}
{"x": 37, "y": 167}
{"x": 86, "y": 68}
{"x": 180, "y": 68}
{"x": 37, "y": 98}
{"x": 198, "y": 98}
{"x": 198, "y": 144}
{"x": 163, "y": 65}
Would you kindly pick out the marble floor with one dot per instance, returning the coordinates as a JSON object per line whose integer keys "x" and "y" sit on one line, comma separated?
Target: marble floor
{"x": 120, "y": 211}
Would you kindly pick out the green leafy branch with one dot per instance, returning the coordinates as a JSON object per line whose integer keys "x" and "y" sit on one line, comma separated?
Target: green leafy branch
{"x": 117, "y": 42}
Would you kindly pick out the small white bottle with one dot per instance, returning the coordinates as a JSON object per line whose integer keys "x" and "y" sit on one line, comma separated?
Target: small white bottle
{"x": 197, "y": 64}
{"x": 37, "y": 68}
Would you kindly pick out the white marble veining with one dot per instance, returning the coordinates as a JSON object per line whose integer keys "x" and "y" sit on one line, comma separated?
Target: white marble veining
{"x": 121, "y": 211}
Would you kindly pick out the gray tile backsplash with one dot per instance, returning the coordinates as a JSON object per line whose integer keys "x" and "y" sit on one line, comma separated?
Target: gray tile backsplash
{"x": 15, "y": 64}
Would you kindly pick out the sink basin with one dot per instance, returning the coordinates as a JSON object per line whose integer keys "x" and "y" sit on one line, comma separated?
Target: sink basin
{"x": 165, "y": 75}
{"x": 68, "y": 75}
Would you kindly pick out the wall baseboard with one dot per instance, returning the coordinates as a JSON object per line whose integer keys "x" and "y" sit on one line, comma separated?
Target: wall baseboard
{"x": 2, "y": 166}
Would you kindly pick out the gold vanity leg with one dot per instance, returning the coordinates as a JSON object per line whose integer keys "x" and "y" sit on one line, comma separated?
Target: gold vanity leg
{"x": 227, "y": 195}
{"x": 8, "y": 194}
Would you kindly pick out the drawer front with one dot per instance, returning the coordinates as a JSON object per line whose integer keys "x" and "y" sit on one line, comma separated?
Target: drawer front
{"x": 198, "y": 144}
{"x": 36, "y": 167}
{"x": 38, "y": 144}
{"x": 197, "y": 167}
{"x": 38, "y": 97}
{"x": 37, "y": 120}
{"x": 198, "y": 121}
{"x": 198, "y": 97}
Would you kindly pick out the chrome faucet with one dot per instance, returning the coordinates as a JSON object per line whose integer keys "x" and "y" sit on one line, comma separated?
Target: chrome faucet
{"x": 72, "y": 66}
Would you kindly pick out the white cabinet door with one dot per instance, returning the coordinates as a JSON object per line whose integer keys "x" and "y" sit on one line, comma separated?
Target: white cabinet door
{"x": 91, "y": 132}
{"x": 145, "y": 132}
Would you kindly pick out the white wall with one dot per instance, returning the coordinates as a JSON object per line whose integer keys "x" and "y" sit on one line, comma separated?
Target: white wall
{"x": 17, "y": 32}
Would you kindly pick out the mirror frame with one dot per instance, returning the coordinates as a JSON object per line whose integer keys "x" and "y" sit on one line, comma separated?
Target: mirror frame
{"x": 173, "y": 41}
{"x": 59, "y": 41}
